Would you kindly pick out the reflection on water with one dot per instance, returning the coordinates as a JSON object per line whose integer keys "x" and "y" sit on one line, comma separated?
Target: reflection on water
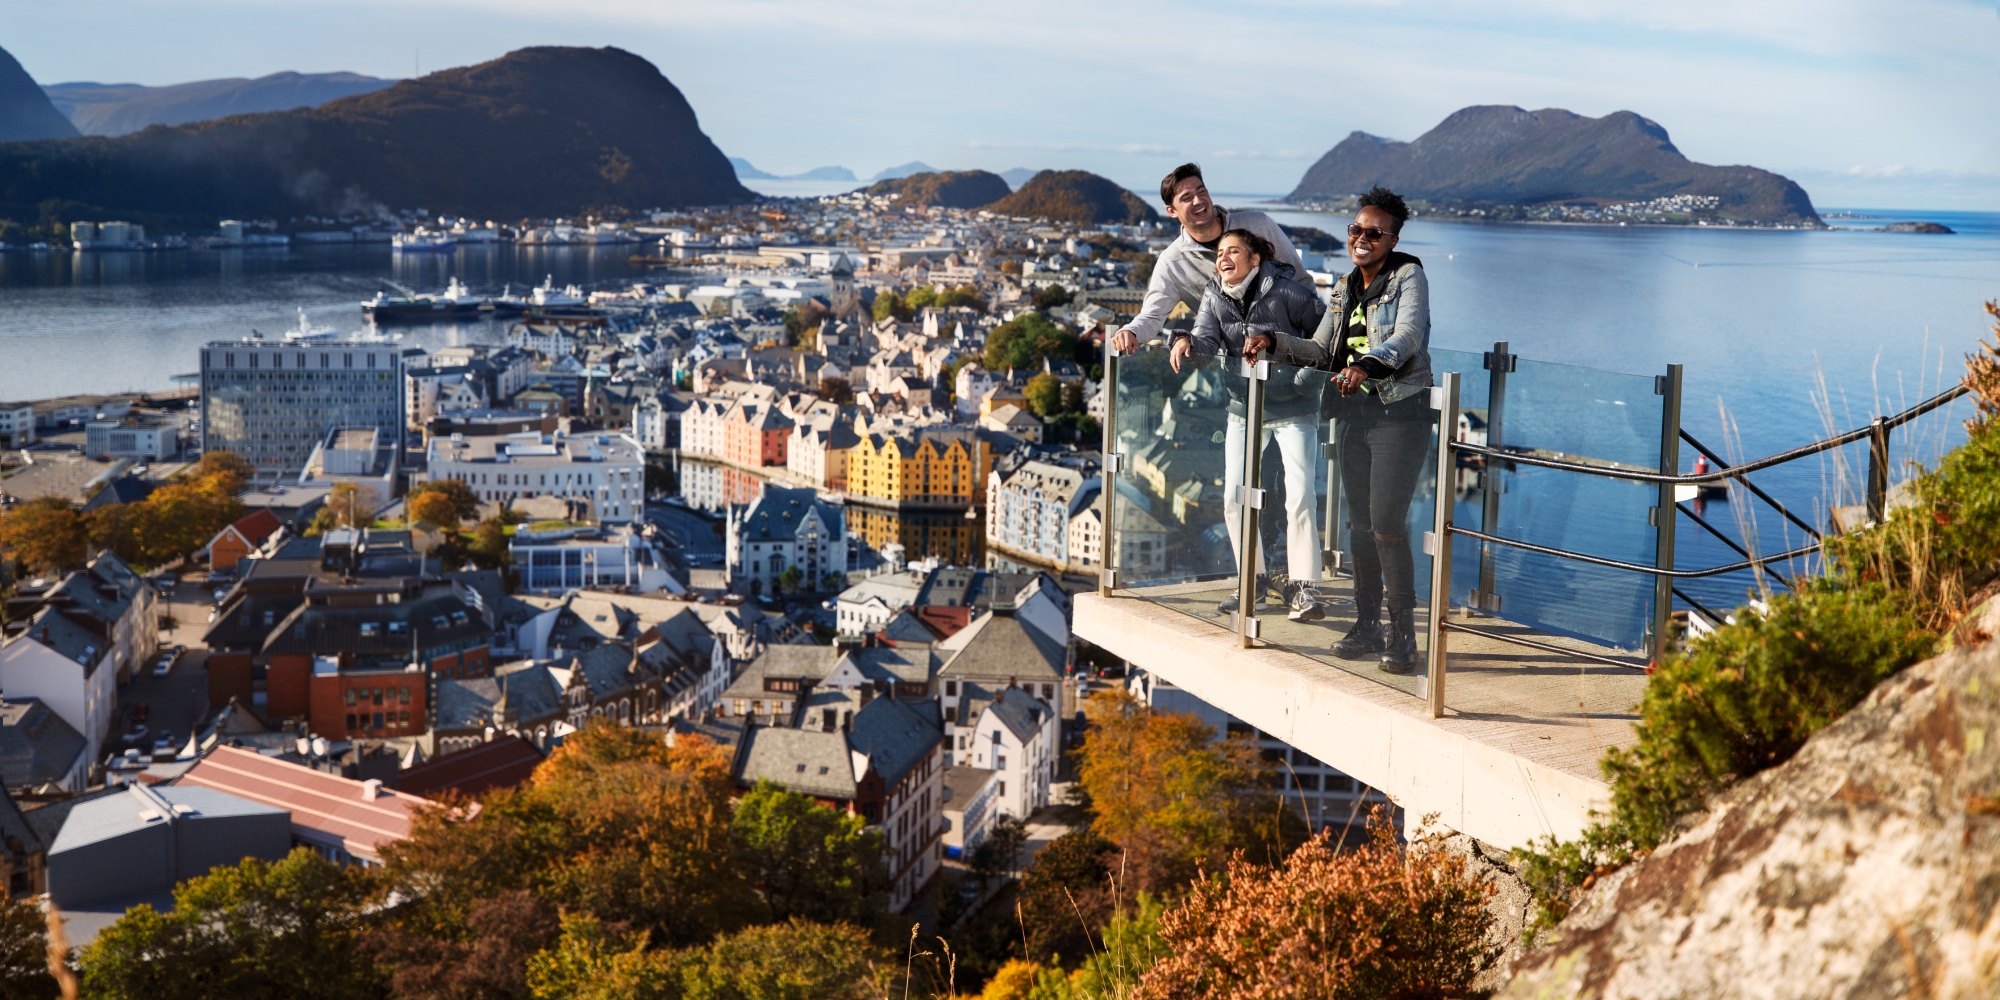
{"x": 948, "y": 536}
{"x": 110, "y": 322}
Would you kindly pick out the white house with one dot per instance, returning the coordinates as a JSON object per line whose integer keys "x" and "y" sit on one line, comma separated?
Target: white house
{"x": 969, "y": 794}
{"x": 70, "y": 668}
{"x": 1014, "y": 736}
{"x": 785, "y": 529}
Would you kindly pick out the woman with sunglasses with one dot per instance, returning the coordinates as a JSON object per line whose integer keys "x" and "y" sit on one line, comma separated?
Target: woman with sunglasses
{"x": 1376, "y": 333}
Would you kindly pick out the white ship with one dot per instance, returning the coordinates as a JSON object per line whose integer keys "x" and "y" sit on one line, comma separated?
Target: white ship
{"x": 422, "y": 241}
{"x": 547, "y": 296}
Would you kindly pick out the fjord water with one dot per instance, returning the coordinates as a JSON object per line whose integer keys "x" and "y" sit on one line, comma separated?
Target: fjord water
{"x": 1784, "y": 335}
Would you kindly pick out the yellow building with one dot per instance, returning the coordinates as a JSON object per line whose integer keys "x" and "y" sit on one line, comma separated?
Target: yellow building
{"x": 929, "y": 468}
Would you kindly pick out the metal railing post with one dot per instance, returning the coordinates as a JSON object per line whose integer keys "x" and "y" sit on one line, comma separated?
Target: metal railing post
{"x": 1331, "y": 557}
{"x": 1110, "y": 558}
{"x": 1664, "y": 519}
{"x": 1498, "y": 364}
{"x": 1250, "y": 497}
{"x": 1878, "y": 469}
{"x": 1444, "y": 399}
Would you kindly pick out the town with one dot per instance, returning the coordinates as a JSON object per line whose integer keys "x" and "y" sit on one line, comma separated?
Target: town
{"x": 821, "y": 499}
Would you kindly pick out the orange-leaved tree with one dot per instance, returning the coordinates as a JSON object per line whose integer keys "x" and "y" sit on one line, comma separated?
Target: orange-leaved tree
{"x": 1175, "y": 798}
{"x": 46, "y": 535}
{"x": 1377, "y": 921}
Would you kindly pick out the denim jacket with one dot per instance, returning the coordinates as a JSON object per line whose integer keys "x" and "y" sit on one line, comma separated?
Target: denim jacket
{"x": 1399, "y": 335}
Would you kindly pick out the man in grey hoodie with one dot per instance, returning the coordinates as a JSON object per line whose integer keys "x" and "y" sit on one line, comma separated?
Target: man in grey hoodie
{"x": 1184, "y": 268}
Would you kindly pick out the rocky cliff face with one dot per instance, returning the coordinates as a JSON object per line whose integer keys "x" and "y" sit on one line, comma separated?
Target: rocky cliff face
{"x": 1868, "y": 866}
{"x": 25, "y": 112}
{"x": 1497, "y": 155}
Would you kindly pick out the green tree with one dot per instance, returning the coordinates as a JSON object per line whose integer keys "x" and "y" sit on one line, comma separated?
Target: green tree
{"x": 46, "y": 535}
{"x": 489, "y": 544}
{"x": 890, "y": 305}
{"x": 1024, "y": 341}
{"x": 287, "y": 928}
{"x": 1044, "y": 393}
{"x": 1051, "y": 296}
{"x": 795, "y": 960}
{"x": 808, "y": 861}
{"x": 997, "y": 855}
{"x": 595, "y": 962}
{"x": 1066, "y": 893}
{"x": 789, "y": 580}
{"x": 920, "y": 298}
{"x": 24, "y": 951}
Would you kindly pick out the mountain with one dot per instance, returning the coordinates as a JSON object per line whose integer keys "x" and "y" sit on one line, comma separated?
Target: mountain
{"x": 119, "y": 108}
{"x": 25, "y": 112}
{"x": 1018, "y": 176}
{"x": 1505, "y": 156}
{"x": 744, "y": 171}
{"x": 909, "y": 169}
{"x": 949, "y": 189}
{"x": 538, "y": 132}
{"x": 1077, "y": 196}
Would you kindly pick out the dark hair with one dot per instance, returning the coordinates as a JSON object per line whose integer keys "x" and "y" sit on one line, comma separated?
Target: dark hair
{"x": 1388, "y": 201}
{"x": 1174, "y": 179}
{"x": 1257, "y": 244}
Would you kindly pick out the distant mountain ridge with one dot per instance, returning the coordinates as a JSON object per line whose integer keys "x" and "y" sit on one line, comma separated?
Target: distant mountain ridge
{"x": 1077, "y": 196}
{"x": 538, "y": 132}
{"x": 1018, "y": 176}
{"x": 25, "y": 112}
{"x": 947, "y": 189}
{"x": 745, "y": 171}
{"x": 122, "y": 108}
{"x": 1500, "y": 155}
{"x": 910, "y": 169}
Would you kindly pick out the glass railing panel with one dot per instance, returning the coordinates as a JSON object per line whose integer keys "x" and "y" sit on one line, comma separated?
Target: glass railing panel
{"x": 1571, "y": 414}
{"x": 1170, "y": 529}
{"x": 1381, "y": 467}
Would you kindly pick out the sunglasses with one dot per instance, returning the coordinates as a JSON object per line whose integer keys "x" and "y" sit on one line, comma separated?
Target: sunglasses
{"x": 1370, "y": 234}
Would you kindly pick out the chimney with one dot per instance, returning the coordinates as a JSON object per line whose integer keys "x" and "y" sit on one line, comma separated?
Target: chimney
{"x": 371, "y": 789}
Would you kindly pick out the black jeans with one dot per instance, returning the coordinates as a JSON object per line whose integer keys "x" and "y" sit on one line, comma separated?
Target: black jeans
{"x": 1382, "y": 452}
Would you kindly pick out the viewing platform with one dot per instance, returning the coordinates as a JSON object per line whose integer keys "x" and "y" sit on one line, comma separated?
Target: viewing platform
{"x": 1541, "y": 525}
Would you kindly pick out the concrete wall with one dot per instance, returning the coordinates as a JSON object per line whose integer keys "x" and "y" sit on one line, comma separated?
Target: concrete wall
{"x": 1464, "y": 770}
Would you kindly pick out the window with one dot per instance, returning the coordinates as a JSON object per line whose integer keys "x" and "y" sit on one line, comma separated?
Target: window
{"x": 404, "y": 697}
{"x": 376, "y": 720}
{"x": 951, "y": 689}
{"x": 999, "y": 762}
{"x": 370, "y": 629}
{"x": 349, "y": 693}
{"x": 1002, "y": 789}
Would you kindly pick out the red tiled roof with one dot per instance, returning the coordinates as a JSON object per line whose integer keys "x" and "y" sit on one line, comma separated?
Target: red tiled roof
{"x": 326, "y": 808}
{"x": 503, "y": 763}
{"x": 257, "y": 525}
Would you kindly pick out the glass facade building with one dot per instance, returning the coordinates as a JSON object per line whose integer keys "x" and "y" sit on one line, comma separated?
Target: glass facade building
{"x": 272, "y": 402}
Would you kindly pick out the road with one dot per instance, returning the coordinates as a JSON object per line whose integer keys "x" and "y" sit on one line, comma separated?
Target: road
{"x": 179, "y": 701}
{"x": 696, "y": 534}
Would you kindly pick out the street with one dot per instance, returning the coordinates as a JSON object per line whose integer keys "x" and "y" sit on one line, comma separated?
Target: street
{"x": 179, "y": 701}
{"x": 698, "y": 535}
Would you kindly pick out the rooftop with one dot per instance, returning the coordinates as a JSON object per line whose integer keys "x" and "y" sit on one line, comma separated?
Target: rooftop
{"x": 327, "y": 810}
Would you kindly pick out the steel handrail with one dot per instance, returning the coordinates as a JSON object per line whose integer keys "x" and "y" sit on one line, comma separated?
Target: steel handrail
{"x": 1737, "y": 472}
{"x": 1752, "y": 487}
{"x": 1677, "y": 574}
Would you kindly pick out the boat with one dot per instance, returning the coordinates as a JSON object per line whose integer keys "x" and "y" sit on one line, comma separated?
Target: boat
{"x": 546, "y": 297}
{"x": 455, "y": 302}
{"x": 422, "y": 241}
{"x": 307, "y": 332}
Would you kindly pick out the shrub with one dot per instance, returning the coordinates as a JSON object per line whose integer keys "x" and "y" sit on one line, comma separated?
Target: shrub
{"x": 1377, "y": 921}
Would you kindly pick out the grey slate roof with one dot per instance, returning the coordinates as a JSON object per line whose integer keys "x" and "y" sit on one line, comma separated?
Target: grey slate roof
{"x": 36, "y": 745}
{"x": 808, "y": 663}
{"x": 776, "y": 515}
{"x": 1022, "y": 713}
{"x": 999, "y": 646}
{"x": 526, "y": 690}
{"x": 802, "y": 760}
{"x": 895, "y": 737}
{"x": 70, "y": 640}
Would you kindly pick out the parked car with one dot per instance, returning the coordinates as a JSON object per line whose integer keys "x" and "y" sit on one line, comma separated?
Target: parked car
{"x": 134, "y": 734}
{"x": 170, "y": 580}
{"x": 165, "y": 665}
{"x": 165, "y": 744}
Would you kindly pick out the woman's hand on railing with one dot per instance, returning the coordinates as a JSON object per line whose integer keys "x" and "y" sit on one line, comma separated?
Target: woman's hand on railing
{"x": 1349, "y": 380}
{"x": 1255, "y": 344}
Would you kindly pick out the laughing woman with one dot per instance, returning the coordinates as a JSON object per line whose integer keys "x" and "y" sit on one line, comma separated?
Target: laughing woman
{"x": 1377, "y": 333}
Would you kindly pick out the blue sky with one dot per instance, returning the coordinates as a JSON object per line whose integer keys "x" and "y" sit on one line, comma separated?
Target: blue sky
{"x": 1881, "y": 104}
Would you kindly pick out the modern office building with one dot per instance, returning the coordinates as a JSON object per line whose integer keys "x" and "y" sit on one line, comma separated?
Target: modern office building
{"x": 606, "y": 472}
{"x": 274, "y": 402}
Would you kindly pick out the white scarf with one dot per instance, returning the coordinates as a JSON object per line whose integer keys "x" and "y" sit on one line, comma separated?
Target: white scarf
{"x": 1240, "y": 289}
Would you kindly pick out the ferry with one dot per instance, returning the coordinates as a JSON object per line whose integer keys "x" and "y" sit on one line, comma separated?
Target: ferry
{"x": 422, "y": 241}
{"x": 308, "y": 332}
{"x": 455, "y": 302}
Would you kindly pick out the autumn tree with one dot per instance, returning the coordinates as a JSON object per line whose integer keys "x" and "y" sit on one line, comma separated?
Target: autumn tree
{"x": 46, "y": 535}
{"x": 488, "y": 957}
{"x": 464, "y": 502}
{"x": 236, "y": 470}
{"x": 796, "y": 960}
{"x": 489, "y": 544}
{"x": 1066, "y": 894}
{"x": 432, "y": 508}
{"x": 1377, "y": 921}
{"x": 24, "y": 951}
{"x": 286, "y": 928}
{"x": 1172, "y": 796}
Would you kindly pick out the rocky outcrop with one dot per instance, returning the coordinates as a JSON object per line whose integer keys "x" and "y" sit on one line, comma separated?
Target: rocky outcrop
{"x": 25, "y": 112}
{"x": 1867, "y": 866}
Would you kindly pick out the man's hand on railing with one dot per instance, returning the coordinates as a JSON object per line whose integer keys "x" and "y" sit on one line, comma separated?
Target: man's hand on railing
{"x": 1182, "y": 346}
{"x": 1125, "y": 342}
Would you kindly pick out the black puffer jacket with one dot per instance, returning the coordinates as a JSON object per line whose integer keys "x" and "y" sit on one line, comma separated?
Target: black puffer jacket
{"x": 1278, "y": 303}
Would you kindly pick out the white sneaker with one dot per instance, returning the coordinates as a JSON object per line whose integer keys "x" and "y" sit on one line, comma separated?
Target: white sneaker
{"x": 1305, "y": 605}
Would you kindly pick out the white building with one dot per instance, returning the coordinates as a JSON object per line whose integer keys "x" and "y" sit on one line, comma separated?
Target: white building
{"x": 550, "y": 340}
{"x": 867, "y": 606}
{"x": 969, "y": 800}
{"x": 605, "y": 471}
{"x": 785, "y": 529}
{"x": 1014, "y": 736}
{"x": 273, "y": 402}
{"x": 149, "y": 438}
{"x": 702, "y": 427}
{"x": 94, "y": 627}
{"x": 973, "y": 384}
{"x": 17, "y": 424}
{"x": 362, "y": 457}
{"x": 586, "y": 558}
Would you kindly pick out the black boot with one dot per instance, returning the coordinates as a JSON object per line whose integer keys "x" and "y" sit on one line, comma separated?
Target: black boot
{"x": 1399, "y": 647}
{"x": 1361, "y": 641}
